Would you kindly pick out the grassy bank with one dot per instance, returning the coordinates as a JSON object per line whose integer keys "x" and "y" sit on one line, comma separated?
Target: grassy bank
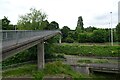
{"x": 25, "y": 70}
{"x": 51, "y": 69}
{"x": 87, "y": 50}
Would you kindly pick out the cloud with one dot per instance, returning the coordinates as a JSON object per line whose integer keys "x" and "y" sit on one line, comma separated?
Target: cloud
{"x": 65, "y": 12}
{"x": 105, "y": 19}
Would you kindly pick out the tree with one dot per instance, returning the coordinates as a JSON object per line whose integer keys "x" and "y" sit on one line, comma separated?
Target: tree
{"x": 99, "y": 36}
{"x": 85, "y": 37}
{"x": 82, "y": 37}
{"x": 44, "y": 25}
{"x": 107, "y": 34}
{"x": 6, "y": 24}
{"x": 90, "y": 29}
{"x": 118, "y": 32}
{"x": 69, "y": 40}
{"x": 80, "y": 24}
{"x": 53, "y": 25}
{"x": 32, "y": 20}
{"x": 65, "y": 30}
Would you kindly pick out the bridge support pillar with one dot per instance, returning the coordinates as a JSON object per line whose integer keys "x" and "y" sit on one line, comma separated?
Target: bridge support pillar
{"x": 40, "y": 55}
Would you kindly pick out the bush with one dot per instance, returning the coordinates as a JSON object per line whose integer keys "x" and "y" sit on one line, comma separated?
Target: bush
{"x": 82, "y": 37}
{"x": 69, "y": 40}
{"x": 85, "y": 37}
{"x": 99, "y": 36}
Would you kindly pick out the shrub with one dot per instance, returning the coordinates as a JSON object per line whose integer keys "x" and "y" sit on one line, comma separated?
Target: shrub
{"x": 19, "y": 58}
{"x": 69, "y": 40}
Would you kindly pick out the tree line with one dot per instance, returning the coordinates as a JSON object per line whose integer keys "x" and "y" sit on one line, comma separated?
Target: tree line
{"x": 37, "y": 20}
{"x": 89, "y": 34}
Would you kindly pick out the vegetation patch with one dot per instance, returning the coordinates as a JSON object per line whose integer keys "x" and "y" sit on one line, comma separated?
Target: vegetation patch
{"x": 51, "y": 69}
{"x": 95, "y": 50}
{"x": 22, "y": 71}
{"x": 93, "y": 61}
{"x": 57, "y": 68}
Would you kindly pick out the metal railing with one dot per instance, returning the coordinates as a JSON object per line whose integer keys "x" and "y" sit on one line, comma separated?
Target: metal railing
{"x": 11, "y": 37}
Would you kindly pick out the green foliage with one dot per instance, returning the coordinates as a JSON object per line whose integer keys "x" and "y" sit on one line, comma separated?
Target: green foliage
{"x": 31, "y": 54}
{"x": 49, "y": 47}
{"x": 49, "y": 50}
{"x": 93, "y": 61}
{"x": 88, "y": 35}
{"x": 25, "y": 70}
{"x": 54, "y": 69}
{"x": 51, "y": 69}
{"x": 38, "y": 75}
{"x": 31, "y": 20}
{"x": 65, "y": 30}
{"x": 57, "y": 68}
{"x": 78, "y": 30}
{"x": 97, "y": 50}
{"x": 68, "y": 35}
{"x": 53, "y": 25}
{"x": 99, "y": 36}
{"x": 6, "y": 24}
{"x": 69, "y": 40}
{"x": 44, "y": 25}
{"x": 107, "y": 35}
{"x": 80, "y": 24}
{"x": 90, "y": 29}
{"x": 20, "y": 58}
{"x": 83, "y": 37}
{"x": 85, "y": 61}
{"x": 36, "y": 20}
{"x": 118, "y": 32}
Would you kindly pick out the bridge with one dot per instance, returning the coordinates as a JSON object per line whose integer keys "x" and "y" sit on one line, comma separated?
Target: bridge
{"x": 14, "y": 41}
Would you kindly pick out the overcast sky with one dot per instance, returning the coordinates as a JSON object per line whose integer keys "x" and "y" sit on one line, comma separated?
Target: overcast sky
{"x": 65, "y": 12}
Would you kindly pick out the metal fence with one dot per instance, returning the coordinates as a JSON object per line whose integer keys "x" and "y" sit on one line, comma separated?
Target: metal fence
{"x": 11, "y": 37}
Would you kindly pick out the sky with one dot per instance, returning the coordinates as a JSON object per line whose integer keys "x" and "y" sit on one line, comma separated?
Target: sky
{"x": 65, "y": 12}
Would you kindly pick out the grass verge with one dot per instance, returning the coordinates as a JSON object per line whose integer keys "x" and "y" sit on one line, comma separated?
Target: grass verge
{"x": 93, "y": 61}
{"x": 51, "y": 69}
{"x": 95, "y": 50}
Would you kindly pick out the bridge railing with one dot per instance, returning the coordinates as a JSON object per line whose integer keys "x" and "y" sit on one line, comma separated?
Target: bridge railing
{"x": 11, "y": 37}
